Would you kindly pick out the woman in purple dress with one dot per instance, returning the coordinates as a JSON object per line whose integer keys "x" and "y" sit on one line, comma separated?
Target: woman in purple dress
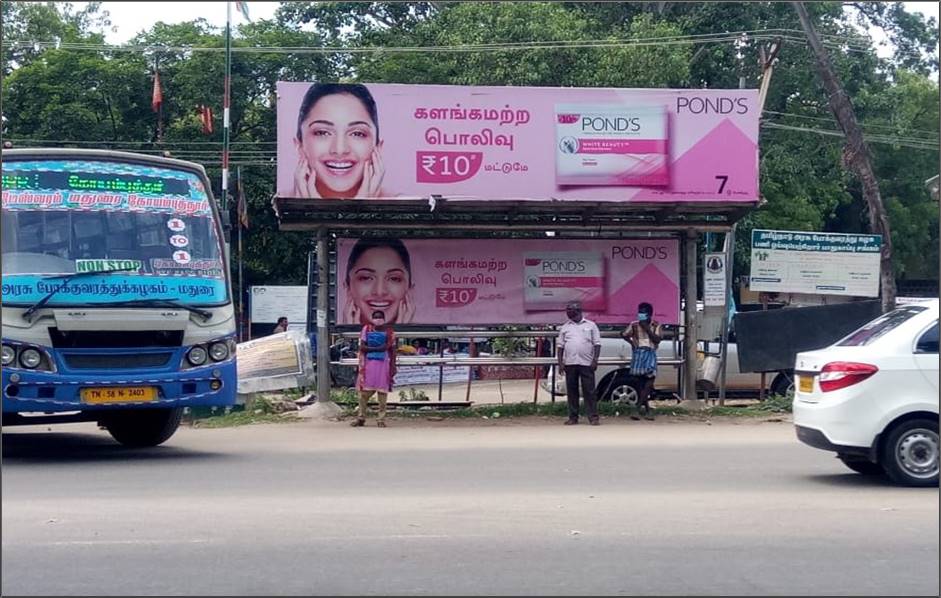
{"x": 376, "y": 367}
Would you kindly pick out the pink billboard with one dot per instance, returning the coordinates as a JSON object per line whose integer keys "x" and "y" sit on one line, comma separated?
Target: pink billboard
{"x": 384, "y": 141}
{"x": 504, "y": 281}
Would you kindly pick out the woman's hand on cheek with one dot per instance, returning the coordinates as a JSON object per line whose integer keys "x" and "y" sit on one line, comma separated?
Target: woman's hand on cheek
{"x": 373, "y": 173}
{"x": 407, "y": 309}
{"x": 305, "y": 181}
{"x": 350, "y": 311}
{"x": 379, "y": 169}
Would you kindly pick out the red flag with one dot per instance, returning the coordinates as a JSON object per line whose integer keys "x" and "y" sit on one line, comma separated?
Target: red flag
{"x": 158, "y": 94}
{"x": 205, "y": 116}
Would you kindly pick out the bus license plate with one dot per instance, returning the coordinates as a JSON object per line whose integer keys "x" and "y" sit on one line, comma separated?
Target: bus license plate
{"x": 119, "y": 394}
{"x": 805, "y": 383}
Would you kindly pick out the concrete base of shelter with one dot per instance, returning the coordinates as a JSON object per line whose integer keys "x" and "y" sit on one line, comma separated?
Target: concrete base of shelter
{"x": 692, "y": 405}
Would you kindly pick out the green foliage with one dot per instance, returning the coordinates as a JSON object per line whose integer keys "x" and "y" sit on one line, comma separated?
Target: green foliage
{"x": 346, "y": 397}
{"x": 413, "y": 395}
{"x": 510, "y": 346}
{"x": 53, "y": 97}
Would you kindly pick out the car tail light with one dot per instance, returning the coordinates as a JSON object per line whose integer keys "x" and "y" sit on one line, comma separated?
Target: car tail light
{"x": 840, "y": 374}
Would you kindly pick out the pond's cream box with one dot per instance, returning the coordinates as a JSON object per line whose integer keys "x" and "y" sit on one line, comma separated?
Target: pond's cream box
{"x": 551, "y": 279}
{"x": 612, "y": 144}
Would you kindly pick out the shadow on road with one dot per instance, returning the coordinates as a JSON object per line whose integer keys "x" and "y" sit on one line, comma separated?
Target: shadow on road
{"x": 854, "y": 480}
{"x": 67, "y": 447}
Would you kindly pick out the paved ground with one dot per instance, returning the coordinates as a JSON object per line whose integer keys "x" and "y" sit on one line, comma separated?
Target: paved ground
{"x": 466, "y": 507}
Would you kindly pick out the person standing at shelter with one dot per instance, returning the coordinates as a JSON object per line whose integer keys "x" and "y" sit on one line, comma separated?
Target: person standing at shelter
{"x": 282, "y": 325}
{"x": 644, "y": 335}
{"x": 579, "y": 347}
{"x": 377, "y": 346}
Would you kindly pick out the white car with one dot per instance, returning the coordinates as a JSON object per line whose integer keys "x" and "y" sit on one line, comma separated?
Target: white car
{"x": 872, "y": 398}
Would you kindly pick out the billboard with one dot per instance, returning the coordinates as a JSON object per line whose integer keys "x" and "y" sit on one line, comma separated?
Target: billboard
{"x": 815, "y": 263}
{"x": 384, "y": 141}
{"x": 268, "y": 303}
{"x": 504, "y": 281}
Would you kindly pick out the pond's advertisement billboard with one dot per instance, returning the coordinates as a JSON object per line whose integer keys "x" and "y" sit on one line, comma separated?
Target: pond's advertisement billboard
{"x": 384, "y": 141}
{"x": 504, "y": 281}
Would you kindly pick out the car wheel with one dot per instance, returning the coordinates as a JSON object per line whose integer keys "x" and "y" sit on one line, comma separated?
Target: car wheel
{"x": 624, "y": 390}
{"x": 861, "y": 465}
{"x": 783, "y": 384}
{"x": 910, "y": 453}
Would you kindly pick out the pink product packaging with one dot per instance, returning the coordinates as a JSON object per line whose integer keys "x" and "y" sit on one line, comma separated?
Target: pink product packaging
{"x": 612, "y": 144}
{"x": 551, "y": 279}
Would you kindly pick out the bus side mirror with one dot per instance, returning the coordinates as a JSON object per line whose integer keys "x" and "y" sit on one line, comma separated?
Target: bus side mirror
{"x": 226, "y": 221}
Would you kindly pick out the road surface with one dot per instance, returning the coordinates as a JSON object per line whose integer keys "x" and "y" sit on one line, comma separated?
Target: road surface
{"x": 457, "y": 507}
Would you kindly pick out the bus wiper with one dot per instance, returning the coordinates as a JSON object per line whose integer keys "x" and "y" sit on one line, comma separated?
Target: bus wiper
{"x": 27, "y": 315}
{"x": 204, "y": 314}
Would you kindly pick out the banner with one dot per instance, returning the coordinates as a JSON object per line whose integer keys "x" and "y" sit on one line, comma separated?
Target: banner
{"x": 268, "y": 303}
{"x": 504, "y": 281}
{"x": 815, "y": 263}
{"x": 713, "y": 280}
{"x": 344, "y": 141}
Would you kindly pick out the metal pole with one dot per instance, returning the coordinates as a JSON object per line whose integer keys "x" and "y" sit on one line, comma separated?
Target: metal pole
{"x": 225, "y": 105}
{"x": 729, "y": 248}
{"x": 472, "y": 351}
{"x": 537, "y": 371}
{"x": 552, "y": 394}
{"x": 323, "y": 333}
{"x": 440, "y": 369}
{"x": 238, "y": 226}
{"x": 729, "y": 254}
{"x": 689, "y": 380}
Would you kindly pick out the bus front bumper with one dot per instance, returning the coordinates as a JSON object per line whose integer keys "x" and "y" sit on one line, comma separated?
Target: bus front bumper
{"x": 30, "y": 391}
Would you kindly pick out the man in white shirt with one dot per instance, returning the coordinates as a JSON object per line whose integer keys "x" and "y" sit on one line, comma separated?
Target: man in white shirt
{"x": 579, "y": 347}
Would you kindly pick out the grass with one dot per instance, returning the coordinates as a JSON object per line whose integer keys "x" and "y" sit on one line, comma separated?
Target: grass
{"x": 770, "y": 406}
{"x": 243, "y": 418}
{"x": 258, "y": 410}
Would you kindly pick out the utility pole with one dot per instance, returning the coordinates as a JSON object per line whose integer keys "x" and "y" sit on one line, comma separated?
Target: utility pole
{"x": 856, "y": 154}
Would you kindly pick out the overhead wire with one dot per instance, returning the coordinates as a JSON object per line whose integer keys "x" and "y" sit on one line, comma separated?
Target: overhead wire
{"x": 931, "y": 136}
{"x": 899, "y": 141}
{"x": 830, "y": 40}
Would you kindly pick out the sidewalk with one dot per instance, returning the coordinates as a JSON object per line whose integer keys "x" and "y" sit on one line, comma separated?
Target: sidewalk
{"x": 488, "y": 392}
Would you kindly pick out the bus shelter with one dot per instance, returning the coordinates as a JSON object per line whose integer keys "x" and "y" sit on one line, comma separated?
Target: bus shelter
{"x": 551, "y": 195}
{"x": 333, "y": 222}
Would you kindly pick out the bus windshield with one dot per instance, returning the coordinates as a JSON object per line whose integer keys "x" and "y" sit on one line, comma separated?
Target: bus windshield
{"x": 138, "y": 231}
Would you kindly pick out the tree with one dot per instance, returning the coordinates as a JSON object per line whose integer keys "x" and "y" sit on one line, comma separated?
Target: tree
{"x": 102, "y": 94}
{"x": 856, "y": 155}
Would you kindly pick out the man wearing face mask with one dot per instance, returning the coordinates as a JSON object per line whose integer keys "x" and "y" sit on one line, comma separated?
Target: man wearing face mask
{"x": 579, "y": 348}
{"x": 644, "y": 336}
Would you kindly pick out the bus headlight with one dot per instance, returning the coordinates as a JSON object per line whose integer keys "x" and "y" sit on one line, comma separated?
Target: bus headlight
{"x": 218, "y": 351}
{"x": 9, "y": 354}
{"x": 196, "y": 356}
{"x": 29, "y": 358}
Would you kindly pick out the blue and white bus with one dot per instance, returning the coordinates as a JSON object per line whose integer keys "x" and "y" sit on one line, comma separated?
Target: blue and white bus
{"x": 117, "y": 304}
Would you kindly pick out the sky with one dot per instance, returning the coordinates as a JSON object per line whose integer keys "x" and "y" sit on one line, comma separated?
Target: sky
{"x": 129, "y": 18}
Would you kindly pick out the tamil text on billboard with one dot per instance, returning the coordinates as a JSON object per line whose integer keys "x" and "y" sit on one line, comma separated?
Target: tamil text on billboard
{"x": 383, "y": 141}
{"x": 504, "y": 281}
{"x": 815, "y": 263}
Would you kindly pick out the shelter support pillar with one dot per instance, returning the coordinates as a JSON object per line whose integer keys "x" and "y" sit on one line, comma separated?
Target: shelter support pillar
{"x": 690, "y": 398}
{"x": 323, "y": 333}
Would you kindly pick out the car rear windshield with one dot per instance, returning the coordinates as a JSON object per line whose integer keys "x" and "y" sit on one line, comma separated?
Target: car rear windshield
{"x": 880, "y": 326}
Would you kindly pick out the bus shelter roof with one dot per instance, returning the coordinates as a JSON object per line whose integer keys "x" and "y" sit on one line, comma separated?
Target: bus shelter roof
{"x": 455, "y": 215}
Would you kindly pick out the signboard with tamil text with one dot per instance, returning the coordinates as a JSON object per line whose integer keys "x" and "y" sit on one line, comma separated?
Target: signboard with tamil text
{"x": 815, "y": 263}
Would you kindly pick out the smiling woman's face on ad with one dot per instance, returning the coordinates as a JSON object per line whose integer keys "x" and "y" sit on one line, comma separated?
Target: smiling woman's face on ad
{"x": 379, "y": 282}
{"x": 338, "y": 139}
